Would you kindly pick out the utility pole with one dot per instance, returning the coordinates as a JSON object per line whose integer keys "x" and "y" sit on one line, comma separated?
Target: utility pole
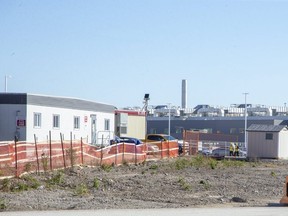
{"x": 245, "y": 117}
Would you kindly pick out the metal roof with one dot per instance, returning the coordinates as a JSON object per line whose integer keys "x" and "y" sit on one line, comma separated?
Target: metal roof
{"x": 266, "y": 128}
{"x": 52, "y": 101}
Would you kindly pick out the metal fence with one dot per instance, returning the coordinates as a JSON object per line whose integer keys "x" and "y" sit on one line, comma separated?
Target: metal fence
{"x": 213, "y": 145}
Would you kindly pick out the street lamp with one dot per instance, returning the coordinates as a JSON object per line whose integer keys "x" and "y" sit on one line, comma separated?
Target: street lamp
{"x": 146, "y": 99}
{"x": 6, "y": 82}
{"x": 245, "y": 117}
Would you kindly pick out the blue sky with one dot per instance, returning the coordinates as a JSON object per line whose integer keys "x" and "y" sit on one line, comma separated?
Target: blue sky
{"x": 116, "y": 51}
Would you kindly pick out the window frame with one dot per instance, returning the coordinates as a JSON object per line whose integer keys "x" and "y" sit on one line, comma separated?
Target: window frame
{"x": 76, "y": 123}
{"x": 56, "y": 121}
{"x": 269, "y": 136}
{"x": 37, "y": 120}
{"x": 106, "y": 124}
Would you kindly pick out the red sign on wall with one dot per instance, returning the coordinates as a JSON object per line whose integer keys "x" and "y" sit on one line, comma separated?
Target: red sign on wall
{"x": 21, "y": 122}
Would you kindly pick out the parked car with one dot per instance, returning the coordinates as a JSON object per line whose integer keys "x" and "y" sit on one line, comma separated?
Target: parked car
{"x": 165, "y": 137}
{"x": 115, "y": 140}
{"x": 242, "y": 153}
{"x": 130, "y": 140}
{"x": 159, "y": 137}
{"x": 220, "y": 153}
{"x": 206, "y": 151}
{"x": 151, "y": 148}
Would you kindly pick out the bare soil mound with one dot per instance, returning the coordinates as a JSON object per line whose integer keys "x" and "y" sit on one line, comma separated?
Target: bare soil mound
{"x": 172, "y": 183}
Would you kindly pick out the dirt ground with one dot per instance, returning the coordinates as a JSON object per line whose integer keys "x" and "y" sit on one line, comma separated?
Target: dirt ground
{"x": 171, "y": 183}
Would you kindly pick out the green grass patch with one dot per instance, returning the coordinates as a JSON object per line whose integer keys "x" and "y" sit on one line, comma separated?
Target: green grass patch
{"x": 184, "y": 185}
{"x": 28, "y": 167}
{"x": 6, "y": 184}
{"x": 96, "y": 183}
{"x": 213, "y": 163}
{"x": 205, "y": 184}
{"x": 56, "y": 179}
{"x": 232, "y": 163}
{"x": 182, "y": 163}
{"x": 2, "y": 205}
{"x": 106, "y": 167}
{"x": 81, "y": 190}
{"x": 31, "y": 181}
{"x": 20, "y": 186}
{"x": 273, "y": 174}
{"x": 154, "y": 167}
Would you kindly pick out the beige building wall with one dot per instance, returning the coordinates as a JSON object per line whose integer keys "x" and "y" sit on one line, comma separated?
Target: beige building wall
{"x": 136, "y": 126}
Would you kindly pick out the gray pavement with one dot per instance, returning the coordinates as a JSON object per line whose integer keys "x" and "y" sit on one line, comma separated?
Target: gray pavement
{"x": 251, "y": 211}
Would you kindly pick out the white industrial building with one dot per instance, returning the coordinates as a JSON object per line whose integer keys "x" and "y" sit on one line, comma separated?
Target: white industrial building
{"x": 268, "y": 141}
{"x": 24, "y": 115}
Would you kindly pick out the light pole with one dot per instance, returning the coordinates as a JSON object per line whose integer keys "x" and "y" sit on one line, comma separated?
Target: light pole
{"x": 245, "y": 117}
{"x": 146, "y": 99}
{"x": 6, "y": 82}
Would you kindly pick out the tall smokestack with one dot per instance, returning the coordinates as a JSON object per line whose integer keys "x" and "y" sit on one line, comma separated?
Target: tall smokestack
{"x": 184, "y": 94}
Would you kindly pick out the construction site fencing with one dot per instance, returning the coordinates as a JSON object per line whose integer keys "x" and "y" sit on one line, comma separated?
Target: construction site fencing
{"x": 17, "y": 158}
{"x": 195, "y": 142}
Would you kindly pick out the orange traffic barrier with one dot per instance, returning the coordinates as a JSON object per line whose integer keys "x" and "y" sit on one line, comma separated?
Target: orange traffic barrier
{"x": 284, "y": 199}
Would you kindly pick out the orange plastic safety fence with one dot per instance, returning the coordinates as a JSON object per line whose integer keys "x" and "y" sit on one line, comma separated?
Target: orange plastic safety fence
{"x": 18, "y": 158}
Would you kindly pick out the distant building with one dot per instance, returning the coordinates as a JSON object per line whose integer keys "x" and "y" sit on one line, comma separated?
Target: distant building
{"x": 24, "y": 115}
{"x": 268, "y": 141}
{"x": 130, "y": 123}
{"x": 219, "y": 125}
{"x": 213, "y": 119}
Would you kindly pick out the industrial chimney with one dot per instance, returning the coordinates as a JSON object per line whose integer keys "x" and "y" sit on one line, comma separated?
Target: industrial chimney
{"x": 184, "y": 94}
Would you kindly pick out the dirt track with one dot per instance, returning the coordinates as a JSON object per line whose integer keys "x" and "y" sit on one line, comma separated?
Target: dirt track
{"x": 173, "y": 183}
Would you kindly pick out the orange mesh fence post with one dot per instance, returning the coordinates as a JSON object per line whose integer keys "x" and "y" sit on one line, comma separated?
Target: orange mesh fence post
{"x": 161, "y": 149}
{"x": 71, "y": 150}
{"x": 16, "y": 158}
{"x": 173, "y": 148}
{"x": 82, "y": 159}
{"x": 145, "y": 149}
{"x": 135, "y": 150}
{"x": 101, "y": 157}
{"x": 123, "y": 152}
{"x": 192, "y": 149}
{"x": 184, "y": 147}
{"x": 193, "y": 138}
{"x": 168, "y": 149}
{"x": 63, "y": 152}
{"x": 164, "y": 149}
{"x": 50, "y": 147}
{"x": 184, "y": 143}
{"x": 116, "y": 153}
{"x": 37, "y": 157}
{"x": 7, "y": 155}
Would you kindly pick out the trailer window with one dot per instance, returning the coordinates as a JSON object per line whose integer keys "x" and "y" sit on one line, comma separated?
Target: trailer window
{"x": 37, "y": 120}
{"x": 269, "y": 136}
